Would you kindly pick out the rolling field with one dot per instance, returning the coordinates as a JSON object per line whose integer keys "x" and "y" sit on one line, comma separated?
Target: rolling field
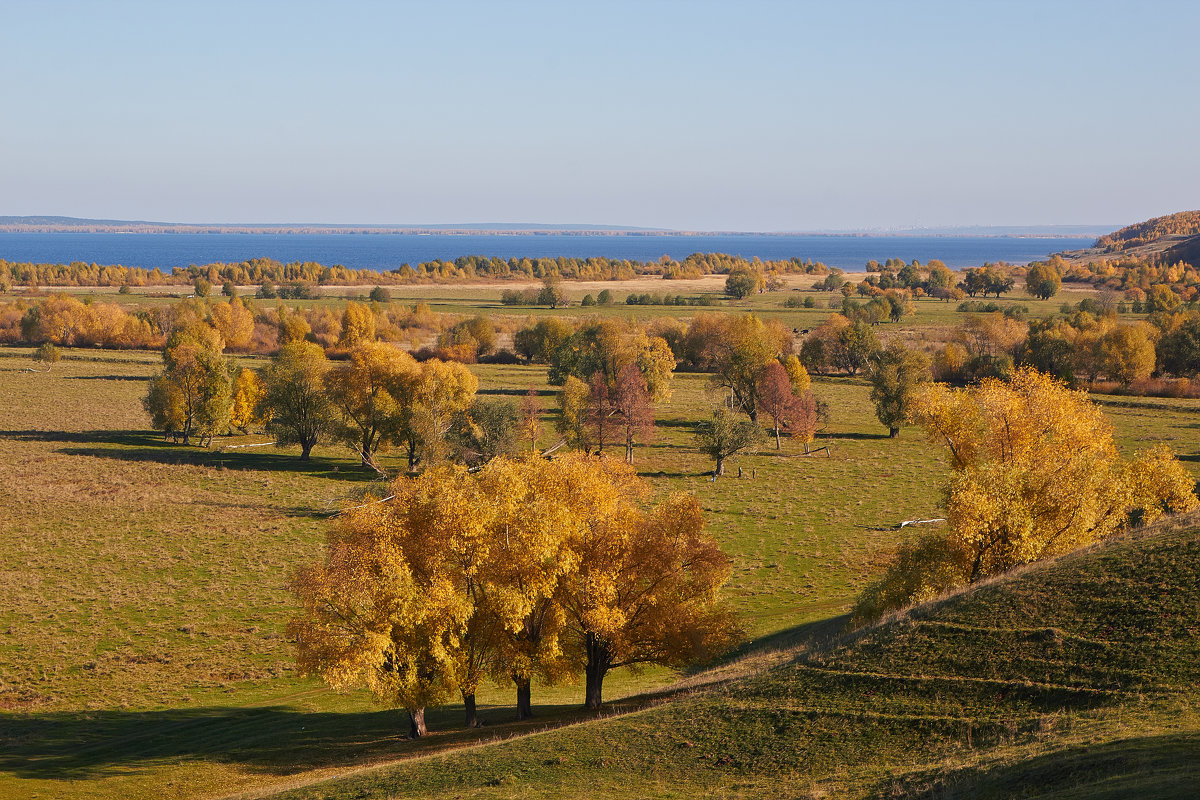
{"x": 141, "y": 638}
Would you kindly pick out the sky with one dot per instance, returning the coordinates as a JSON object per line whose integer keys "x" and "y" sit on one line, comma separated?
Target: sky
{"x": 750, "y": 116}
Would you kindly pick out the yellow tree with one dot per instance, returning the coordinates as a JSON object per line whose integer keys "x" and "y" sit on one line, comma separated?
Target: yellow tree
{"x": 383, "y": 610}
{"x": 1126, "y": 353}
{"x": 530, "y": 514}
{"x": 247, "y": 393}
{"x": 643, "y": 589}
{"x": 358, "y": 325}
{"x": 361, "y": 390}
{"x": 1036, "y": 470}
{"x": 1035, "y": 473}
{"x": 573, "y": 413}
{"x": 193, "y": 393}
{"x": 434, "y": 395}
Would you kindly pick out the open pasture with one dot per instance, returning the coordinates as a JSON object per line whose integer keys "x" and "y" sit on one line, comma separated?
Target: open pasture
{"x": 145, "y": 584}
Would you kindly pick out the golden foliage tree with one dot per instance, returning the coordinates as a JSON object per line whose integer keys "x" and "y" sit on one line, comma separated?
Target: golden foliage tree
{"x": 193, "y": 393}
{"x": 358, "y": 325}
{"x": 247, "y": 393}
{"x": 1035, "y": 473}
{"x": 529, "y": 568}
{"x": 361, "y": 389}
{"x": 572, "y": 420}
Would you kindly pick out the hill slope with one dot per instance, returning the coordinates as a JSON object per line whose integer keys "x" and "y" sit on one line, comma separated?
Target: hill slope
{"x": 1170, "y": 238}
{"x": 1069, "y": 679}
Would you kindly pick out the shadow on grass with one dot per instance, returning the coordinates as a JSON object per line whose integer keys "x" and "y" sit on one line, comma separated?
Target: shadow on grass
{"x": 150, "y": 447}
{"x": 131, "y": 378}
{"x": 517, "y": 392}
{"x": 280, "y": 740}
{"x": 1163, "y": 766}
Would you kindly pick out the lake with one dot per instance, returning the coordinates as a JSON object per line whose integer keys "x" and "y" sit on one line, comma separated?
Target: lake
{"x": 388, "y": 251}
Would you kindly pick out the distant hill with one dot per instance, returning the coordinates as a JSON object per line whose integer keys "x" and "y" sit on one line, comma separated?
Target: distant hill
{"x": 1073, "y": 678}
{"x": 1183, "y": 223}
{"x": 1171, "y": 238}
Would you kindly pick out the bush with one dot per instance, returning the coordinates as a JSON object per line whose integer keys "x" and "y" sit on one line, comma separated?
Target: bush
{"x": 380, "y": 295}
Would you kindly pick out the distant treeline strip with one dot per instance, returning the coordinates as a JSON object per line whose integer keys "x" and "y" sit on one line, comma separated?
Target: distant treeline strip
{"x": 463, "y": 269}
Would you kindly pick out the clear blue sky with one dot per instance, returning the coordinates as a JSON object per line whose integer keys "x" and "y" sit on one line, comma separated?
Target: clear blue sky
{"x": 692, "y": 115}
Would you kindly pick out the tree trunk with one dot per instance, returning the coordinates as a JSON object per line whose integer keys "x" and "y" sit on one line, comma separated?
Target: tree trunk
{"x": 469, "y": 705}
{"x": 893, "y": 433}
{"x": 720, "y": 470}
{"x": 524, "y": 702}
{"x": 598, "y": 661}
{"x": 629, "y": 451}
{"x": 305, "y": 449}
{"x": 417, "y": 723}
{"x": 777, "y": 445}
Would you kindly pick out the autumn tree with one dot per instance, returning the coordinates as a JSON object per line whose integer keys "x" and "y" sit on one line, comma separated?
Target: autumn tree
{"x": 361, "y": 390}
{"x": 358, "y": 325}
{"x": 744, "y": 347}
{"x": 491, "y": 428}
{"x": 573, "y": 411}
{"x": 234, "y": 322}
{"x": 193, "y": 393}
{"x": 294, "y": 401}
{"x": 605, "y": 346}
{"x": 539, "y": 342}
{"x": 600, "y": 411}
{"x": 1042, "y": 280}
{"x": 725, "y": 435}
{"x": 529, "y": 513}
{"x": 779, "y": 399}
{"x": 896, "y": 374}
{"x": 47, "y": 354}
{"x": 529, "y": 420}
{"x": 643, "y": 586}
{"x": 390, "y": 606}
{"x": 1034, "y": 473}
{"x": 632, "y": 408}
{"x": 430, "y": 400}
{"x": 1127, "y": 353}
{"x": 247, "y": 392}
{"x": 292, "y": 327}
{"x": 743, "y": 282}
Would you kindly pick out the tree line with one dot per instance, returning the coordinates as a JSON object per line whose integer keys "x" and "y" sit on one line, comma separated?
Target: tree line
{"x": 268, "y": 271}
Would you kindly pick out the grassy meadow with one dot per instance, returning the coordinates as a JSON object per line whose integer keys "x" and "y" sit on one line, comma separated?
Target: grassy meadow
{"x": 142, "y": 651}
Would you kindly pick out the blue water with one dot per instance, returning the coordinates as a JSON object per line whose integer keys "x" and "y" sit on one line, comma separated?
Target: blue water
{"x": 388, "y": 251}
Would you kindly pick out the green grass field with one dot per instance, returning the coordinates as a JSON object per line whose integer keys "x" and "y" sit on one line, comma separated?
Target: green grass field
{"x": 141, "y": 638}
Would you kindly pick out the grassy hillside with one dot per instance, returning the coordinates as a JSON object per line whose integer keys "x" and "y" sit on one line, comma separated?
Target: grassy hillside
{"x": 1070, "y": 679}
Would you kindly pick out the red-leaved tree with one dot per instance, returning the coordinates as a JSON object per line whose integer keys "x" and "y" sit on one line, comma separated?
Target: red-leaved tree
{"x": 633, "y": 412}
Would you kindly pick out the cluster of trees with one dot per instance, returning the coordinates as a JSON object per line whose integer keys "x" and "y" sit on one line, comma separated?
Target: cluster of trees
{"x": 1077, "y": 347}
{"x": 1035, "y": 473}
{"x": 1168, "y": 280}
{"x": 698, "y": 264}
{"x": 988, "y": 279}
{"x": 245, "y": 326}
{"x": 529, "y": 569}
{"x": 377, "y": 398}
